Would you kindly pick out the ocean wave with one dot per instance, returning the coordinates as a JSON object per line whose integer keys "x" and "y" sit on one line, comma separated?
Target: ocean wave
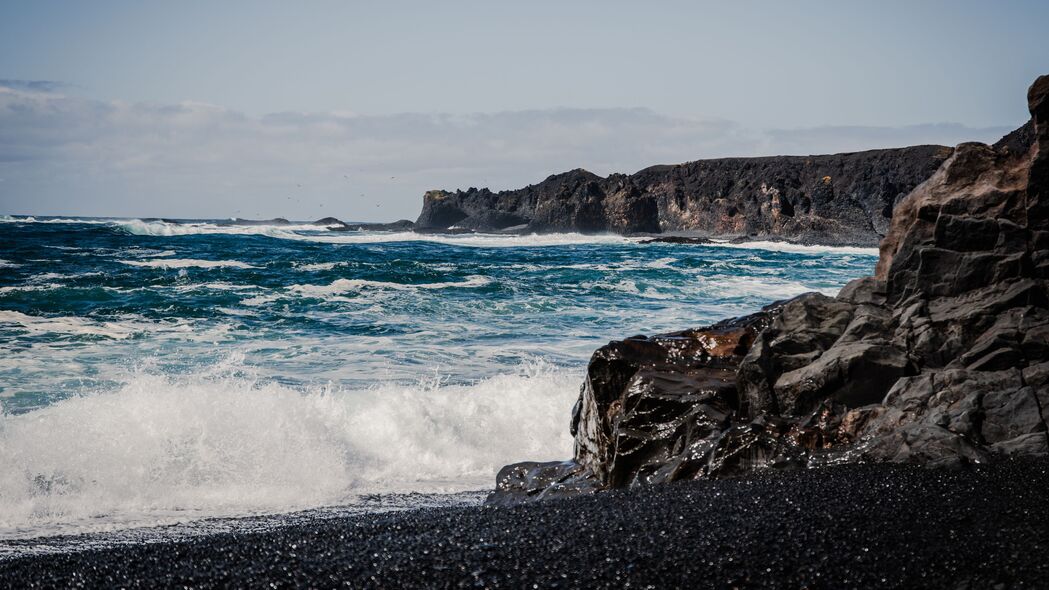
{"x": 350, "y": 285}
{"x": 8, "y": 264}
{"x": 211, "y": 287}
{"x": 260, "y": 300}
{"x": 168, "y": 263}
{"x": 32, "y": 219}
{"x": 319, "y": 266}
{"x": 139, "y": 227}
{"x": 797, "y": 248}
{"x": 628, "y": 286}
{"x": 30, "y": 287}
{"x": 117, "y": 328}
{"x": 152, "y": 253}
{"x": 161, "y": 448}
{"x": 763, "y": 288}
{"x": 50, "y": 276}
{"x": 74, "y": 326}
{"x": 469, "y": 240}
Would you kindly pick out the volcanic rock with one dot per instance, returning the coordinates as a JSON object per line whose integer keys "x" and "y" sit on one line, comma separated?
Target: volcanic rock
{"x": 832, "y": 199}
{"x": 941, "y": 357}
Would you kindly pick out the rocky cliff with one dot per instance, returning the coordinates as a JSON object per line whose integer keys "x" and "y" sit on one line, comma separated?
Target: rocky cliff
{"x": 941, "y": 356}
{"x": 836, "y": 199}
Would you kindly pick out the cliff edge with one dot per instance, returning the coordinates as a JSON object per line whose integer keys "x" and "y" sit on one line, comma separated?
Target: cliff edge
{"x": 941, "y": 357}
{"x": 830, "y": 199}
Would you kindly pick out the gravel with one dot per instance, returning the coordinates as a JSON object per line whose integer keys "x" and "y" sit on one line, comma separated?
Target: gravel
{"x": 860, "y": 526}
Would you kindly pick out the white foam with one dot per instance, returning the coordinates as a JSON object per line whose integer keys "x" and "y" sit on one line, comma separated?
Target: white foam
{"x": 766, "y": 288}
{"x": 164, "y": 228}
{"x": 117, "y": 328}
{"x": 661, "y": 263}
{"x": 168, "y": 263}
{"x": 155, "y": 254}
{"x": 30, "y": 287}
{"x": 8, "y": 264}
{"x": 627, "y": 286}
{"x": 161, "y": 448}
{"x": 797, "y": 248}
{"x": 31, "y": 219}
{"x": 212, "y": 287}
{"x": 352, "y": 285}
{"x": 66, "y": 325}
{"x": 471, "y": 240}
{"x": 318, "y": 266}
{"x": 259, "y": 300}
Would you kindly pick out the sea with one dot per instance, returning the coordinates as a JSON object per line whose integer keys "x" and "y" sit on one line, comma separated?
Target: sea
{"x": 160, "y": 373}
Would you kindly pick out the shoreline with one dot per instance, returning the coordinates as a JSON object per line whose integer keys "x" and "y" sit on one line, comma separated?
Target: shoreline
{"x": 870, "y": 525}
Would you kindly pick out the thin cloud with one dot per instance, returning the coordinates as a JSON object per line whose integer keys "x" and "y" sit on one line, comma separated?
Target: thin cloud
{"x": 69, "y": 155}
{"x": 34, "y": 85}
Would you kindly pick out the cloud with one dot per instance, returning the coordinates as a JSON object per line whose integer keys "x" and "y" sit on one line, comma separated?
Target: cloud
{"x": 70, "y": 155}
{"x": 856, "y": 138}
{"x": 34, "y": 85}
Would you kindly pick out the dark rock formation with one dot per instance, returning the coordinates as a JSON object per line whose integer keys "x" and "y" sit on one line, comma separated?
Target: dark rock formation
{"x": 401, "y": 225}
{"x": 941, "y": 357}
{"x": 837, "y": 199}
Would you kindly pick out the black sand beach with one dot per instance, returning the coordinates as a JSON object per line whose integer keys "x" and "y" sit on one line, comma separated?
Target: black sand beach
{"x": 862, "y": 526}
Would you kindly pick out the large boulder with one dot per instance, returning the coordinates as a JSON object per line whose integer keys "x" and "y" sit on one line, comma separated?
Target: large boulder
{"x": 941, "y": 357}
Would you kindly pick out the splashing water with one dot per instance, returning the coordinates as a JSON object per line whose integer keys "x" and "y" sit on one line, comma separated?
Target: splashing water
{"x": 157, "y": 371}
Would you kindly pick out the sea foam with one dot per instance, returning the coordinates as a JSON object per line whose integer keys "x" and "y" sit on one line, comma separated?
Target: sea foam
{"x": 792, "y": 248}
{"x": 349, "y": 285}
{"x": 167, "y": 263}
{"x": 65, "y": 325}
{"x": 163, "y": 448}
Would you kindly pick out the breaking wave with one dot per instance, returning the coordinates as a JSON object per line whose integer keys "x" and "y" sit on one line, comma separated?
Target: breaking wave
{"x": 162, "y": 448}
{"x": 74, "y": 326}
{"x": 320, "y": 233}
{"x": 797, "y": 248}
{"x": 349, "y": 285}
{"x": 167, "y": 263}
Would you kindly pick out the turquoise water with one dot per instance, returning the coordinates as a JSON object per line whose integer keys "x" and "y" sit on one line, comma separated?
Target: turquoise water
{"x": 154, "y": 370}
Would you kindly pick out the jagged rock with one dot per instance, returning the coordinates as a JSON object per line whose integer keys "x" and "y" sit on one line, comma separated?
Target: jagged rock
{"x": 834, "y": 199}
{"x": 529, "y": 481}
{"x": 646, "y": 400}
{"x": 941, "y": 357}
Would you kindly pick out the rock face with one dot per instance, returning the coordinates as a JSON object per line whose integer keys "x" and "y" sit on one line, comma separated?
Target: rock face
{"x": 941, "y": 356}
{"x": 837, "y": 199}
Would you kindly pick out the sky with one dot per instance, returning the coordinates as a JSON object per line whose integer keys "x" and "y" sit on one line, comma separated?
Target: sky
{"x": 302, "y": 110}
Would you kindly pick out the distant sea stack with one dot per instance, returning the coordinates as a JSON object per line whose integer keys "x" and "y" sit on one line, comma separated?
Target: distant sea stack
{"x": 941, "y": 357}
{"x": 832, "y": 200}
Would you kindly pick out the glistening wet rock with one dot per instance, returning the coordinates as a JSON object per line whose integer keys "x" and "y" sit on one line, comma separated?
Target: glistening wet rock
{"x": 941, "y": 357}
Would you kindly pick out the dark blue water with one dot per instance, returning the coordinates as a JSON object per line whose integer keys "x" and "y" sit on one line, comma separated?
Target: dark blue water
{"x": 155, "y": 368}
